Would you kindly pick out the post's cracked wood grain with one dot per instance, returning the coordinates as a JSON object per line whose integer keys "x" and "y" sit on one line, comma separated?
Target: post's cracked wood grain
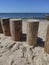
{"x": 1, "y": 31}
{"x": 16, "y": 29}
{"x": 32, "y": 31}
{"x": 5, "y": 26}
{"x": 46, "y": 48}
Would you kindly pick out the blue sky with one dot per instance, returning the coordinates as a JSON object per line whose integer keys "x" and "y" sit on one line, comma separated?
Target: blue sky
{"x": 27, "y": 6}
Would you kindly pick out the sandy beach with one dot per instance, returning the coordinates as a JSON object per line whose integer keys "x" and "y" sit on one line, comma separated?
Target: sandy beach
{"x": 11, "y": 52}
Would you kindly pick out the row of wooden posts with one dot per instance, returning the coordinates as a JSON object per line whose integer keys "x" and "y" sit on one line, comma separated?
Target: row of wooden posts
{"x": 13, "y": 28}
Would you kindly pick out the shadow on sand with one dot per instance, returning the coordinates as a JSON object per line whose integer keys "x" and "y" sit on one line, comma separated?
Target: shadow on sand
{"x": 24, "y": 36}
{"x": 40, "y": 42}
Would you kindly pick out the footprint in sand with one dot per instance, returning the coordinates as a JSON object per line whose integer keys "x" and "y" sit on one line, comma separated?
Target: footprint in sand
{"x": 12, "y": 62}
{"x": 0, "y": 55}
{"x": 1, "y": 46}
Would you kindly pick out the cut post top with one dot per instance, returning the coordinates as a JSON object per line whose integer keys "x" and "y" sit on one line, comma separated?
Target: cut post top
{"x": 5, "y": 19}
{"x": 16, "y": 19}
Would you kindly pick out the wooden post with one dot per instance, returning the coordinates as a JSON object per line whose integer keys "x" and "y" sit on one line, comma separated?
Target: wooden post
{"x": 32, "y": 30}
{"x": 46, "y": 46}
{"x": 5, "y": 26}
{"x": 16, "y": 29}
{"x": 1, "y": 31}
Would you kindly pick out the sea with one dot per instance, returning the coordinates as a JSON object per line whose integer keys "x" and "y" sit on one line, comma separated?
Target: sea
{"x": 24, "y": 15}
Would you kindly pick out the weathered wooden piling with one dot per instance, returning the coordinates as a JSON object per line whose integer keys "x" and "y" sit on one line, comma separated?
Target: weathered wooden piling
{"x": 46, "y": 46}
{"x": 1, "y": 31}
{"x": 32, "y": 30}
{"x": 16, "y": 29}
{"x": 5, "y": 26}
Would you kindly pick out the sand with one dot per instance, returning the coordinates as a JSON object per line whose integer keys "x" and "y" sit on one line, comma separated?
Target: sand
{"x": 20, "y": 53}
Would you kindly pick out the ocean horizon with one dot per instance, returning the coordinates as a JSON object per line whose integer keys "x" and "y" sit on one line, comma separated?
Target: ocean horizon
{"x": 24, "y": 15}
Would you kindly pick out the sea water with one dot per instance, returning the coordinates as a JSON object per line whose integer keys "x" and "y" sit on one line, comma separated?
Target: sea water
{"x": 24, "y": 15}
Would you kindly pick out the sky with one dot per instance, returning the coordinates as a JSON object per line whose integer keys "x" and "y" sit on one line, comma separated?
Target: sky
{"x": 24, "y": 6}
